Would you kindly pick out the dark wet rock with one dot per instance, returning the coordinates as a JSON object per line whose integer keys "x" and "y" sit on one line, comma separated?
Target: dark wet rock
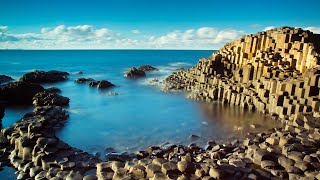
{"x": 147, "y": 68}
{"x": 53, "y": 90}
{"x": 103, "y": 84}
{"x": 84, "y": 80}
{"x": 135, "y": 73}
{"x": 93, "y": 84}
{"x": 80, "y": 72}
{"x": 123, "y": 157}
{"x": 19, "y": 92}
{"x": 44, "y": 77}
{"x": 4, "y": 78}
{"x": 45, "y": 99}
{"x": 2, "y": 109}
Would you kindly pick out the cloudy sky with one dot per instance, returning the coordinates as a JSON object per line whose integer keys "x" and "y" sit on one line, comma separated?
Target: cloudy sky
{"x": 145, "y": 24}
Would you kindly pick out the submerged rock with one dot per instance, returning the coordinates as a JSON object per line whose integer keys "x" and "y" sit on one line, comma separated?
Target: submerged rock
{"x": 84, "y": 80}
{"x": 4, "y": 78}
{"x": 19, "y": 92}
{"x": 45, "y": 99}
{"x": 135, "y": 73}
{"x": 44, "y": 77}
{"x": 147, "y": 68}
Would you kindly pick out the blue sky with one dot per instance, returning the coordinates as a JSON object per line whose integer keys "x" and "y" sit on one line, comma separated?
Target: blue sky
{"x": 146, "y": 24}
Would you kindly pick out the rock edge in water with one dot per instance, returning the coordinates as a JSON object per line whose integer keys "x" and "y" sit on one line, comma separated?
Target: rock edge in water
{"x": 44, "y": 76}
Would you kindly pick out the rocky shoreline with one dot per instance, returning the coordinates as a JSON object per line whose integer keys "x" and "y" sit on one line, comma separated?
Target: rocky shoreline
{"x": 275, "y": 72}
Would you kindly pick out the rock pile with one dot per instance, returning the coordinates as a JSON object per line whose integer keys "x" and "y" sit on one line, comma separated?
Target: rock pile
{"x": 37, "y": 153}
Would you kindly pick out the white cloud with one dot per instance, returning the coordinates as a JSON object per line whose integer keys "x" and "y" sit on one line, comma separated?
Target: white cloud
{"x": 268, "y": 28}
{"x": 315, "y": 30}
{"x": 205, "y": 37}
{"x": 89, "y": 37}
{"x": 135, "y": 31}
{"x": 206, "y": 32}
{"x": 3, "y": 29}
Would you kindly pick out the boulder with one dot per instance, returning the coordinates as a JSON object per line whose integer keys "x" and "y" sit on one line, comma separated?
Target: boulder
{"x": 4, "y": 78}
{"x": 45, "y": 99}
{"x": 101, "y": 84}
{"x": 84, "y": 80}
{"x": 44, "y": 77}
{"x": 135, "y": 73}
{"x": 19, "y": 92}
{"x": 104, "y": 84}
{"x": 147, "y": 68}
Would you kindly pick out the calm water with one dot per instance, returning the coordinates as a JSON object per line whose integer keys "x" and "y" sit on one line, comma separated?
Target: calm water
{"x": 141, "y": 115}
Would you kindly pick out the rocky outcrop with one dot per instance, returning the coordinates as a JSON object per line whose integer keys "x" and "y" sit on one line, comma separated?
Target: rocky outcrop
{"x": 275, "y": 72}
{"x": 147, "y": 68}
{"x": 44, "y": 77}
{"x": 4, "y": 78}
{"x": 19, "y": 92}
{"x": 135, "y": 73}
{"x": 101, "y": 84}
{"x": 47, "y": 98}
{"x": 84, "y": 80}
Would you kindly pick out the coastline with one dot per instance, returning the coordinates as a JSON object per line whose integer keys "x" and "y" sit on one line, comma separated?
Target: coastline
{"x": 286, "y": 153}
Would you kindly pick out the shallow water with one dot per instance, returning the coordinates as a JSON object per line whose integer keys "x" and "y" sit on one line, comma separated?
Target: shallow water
{"x": 140, "y": 115}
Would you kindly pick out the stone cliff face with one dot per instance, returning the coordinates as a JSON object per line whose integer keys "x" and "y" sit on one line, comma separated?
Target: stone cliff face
{"x": 275, "y": 72}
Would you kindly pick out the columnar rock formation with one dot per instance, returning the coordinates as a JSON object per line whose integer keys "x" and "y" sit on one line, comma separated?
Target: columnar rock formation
{"x": 275, "y": 72}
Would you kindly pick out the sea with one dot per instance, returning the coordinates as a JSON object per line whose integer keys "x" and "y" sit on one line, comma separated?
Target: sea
{"x": 134, "y": 114}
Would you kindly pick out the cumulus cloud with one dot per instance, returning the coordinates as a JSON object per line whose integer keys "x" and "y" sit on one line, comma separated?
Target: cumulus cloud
{"x": 268, "y": 28}
{"x": 89, "y": 37}
{"x": 315, "y": 30}
{"x": 205, "y": 37}
{"x": 135, "y": 31}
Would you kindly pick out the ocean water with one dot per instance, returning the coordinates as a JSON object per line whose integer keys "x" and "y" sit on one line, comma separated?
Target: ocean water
{"x": 140, "y": 115}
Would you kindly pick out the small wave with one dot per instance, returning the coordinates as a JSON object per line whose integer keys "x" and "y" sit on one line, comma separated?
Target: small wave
{"x": 180, "y": 64}
{"x": 29, "y": 70}
{"x": 75, "y": 111}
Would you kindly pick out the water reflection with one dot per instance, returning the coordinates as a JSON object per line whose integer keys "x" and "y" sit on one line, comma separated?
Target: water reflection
{"x": 235, "y": 121}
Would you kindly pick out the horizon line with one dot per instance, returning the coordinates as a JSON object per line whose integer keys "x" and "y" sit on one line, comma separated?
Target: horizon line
{"x": 107, "y": 49}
